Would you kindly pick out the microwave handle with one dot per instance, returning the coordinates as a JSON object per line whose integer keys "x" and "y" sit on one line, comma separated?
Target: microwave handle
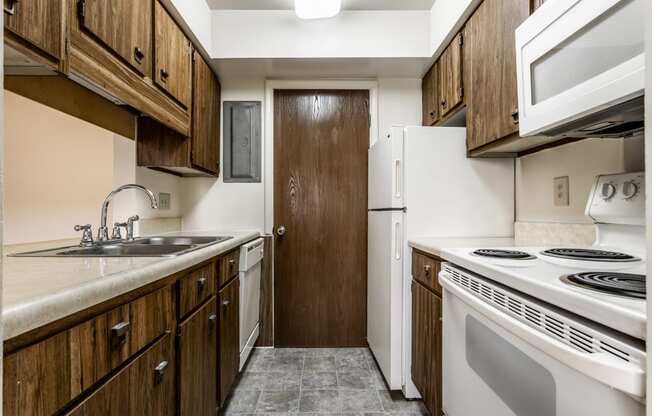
{"x": 603, "y": 367}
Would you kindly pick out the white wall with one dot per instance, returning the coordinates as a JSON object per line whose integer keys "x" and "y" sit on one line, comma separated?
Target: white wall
{"x": 581, "y": 162}
{"x": 399, "y": 102}
{"x": 280, "y": 34}
{"x": 59, "y": 169}
{"x": 446, "y": 18}
{"x": 212, "y": 204}
{"x": 197, "y": 16}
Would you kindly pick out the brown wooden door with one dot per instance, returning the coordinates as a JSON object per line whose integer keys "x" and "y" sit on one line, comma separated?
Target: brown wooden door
{"x": 430, "y": 95}
{"x": 198, "y": 362}
{"x": 490, "y": 56}
{"x": 36, "y": 21}
{"x": 173, "y": 59}
{"x": 427, "y": 346}
{"x": 229, "y": 342}
{"x": 124, "y": 27}
{"x": 320, "y": 180}
{"x": 205, "y": 149}
{"x": 450, "y": 76}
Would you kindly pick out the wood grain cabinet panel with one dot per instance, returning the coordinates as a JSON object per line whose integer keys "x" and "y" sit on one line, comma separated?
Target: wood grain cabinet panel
{"x": 535, "y": 4}
{"x": 425, "y": 269}
{"x": 205, "y": 139}
{"x": 37, "y": 378}
{"x": 173, "y": 57}
{"x": 142, "y": 388}
{"x": 451, "y": 88}
{"x": 196, "y": 287}
{"x": 198, "y": 362}
{"x": 430, "y": 95}
{"x": 229, "y": 338}
{"x": 151, "y": 316}
{"x": 38, "y": 22}
{"x": 124, "y": 26}
{"x": 490, "y": 58}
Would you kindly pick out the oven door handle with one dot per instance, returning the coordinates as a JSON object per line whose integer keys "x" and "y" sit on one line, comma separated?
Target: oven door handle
{"x": 603, "y": 367}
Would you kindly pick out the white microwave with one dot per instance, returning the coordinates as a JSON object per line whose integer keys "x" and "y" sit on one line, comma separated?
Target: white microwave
{"x": 581, "y": 69}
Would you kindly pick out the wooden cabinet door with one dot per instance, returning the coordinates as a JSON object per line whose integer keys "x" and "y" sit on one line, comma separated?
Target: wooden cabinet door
{"x": 450, "y": 76}
{"x": 198, "y": 362}
{"x": 36, "y": 21}
{"x": 430, "y": 95}
{"x": 427, "y": 346}
{"x": 123, "y": 26}
{"x": 229, "y": 337}
{"x": 490, "y": 56}
{"x": 173, "y": 59}
{"x": 205, "y": 148}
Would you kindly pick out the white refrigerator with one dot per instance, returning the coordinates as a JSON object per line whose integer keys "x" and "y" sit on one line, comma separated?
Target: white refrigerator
{"x": 422, "y": 184}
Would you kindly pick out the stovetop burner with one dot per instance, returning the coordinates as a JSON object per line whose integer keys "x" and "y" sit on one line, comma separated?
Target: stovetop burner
{"x": 588, "y": 255}
{"x": 622, "y": 284}
{"x": 504, "y": 254}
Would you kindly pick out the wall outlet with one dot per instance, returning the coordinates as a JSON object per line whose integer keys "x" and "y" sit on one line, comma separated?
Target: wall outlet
{"x": 164, "y": 200}
{"x": 561, "y": 191}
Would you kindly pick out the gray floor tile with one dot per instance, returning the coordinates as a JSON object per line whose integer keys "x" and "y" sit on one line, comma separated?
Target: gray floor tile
{"x": 278, "y": 401}
{"x": 351, "y": 362}
{"x": 319, "y": 380}
{"x": 360, "y": 401}
{"x": 243, "y": 401}
{"x": 359, "y": 378}
{"x": 279, "y": 381}
{"x": 252, "y": 381}
{"x": 285, "y": 364}
{"x": 321, "y": 352}
{"x": 394, "y": 402}
{"x": 319, "y": 364}
{"x": 319, "y": 401}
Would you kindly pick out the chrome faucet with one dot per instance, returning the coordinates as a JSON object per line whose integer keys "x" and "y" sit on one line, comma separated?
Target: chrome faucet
{"x": 103, "y": 231}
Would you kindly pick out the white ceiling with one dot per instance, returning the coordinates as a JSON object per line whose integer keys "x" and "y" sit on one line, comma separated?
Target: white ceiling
{"x": 346, "y": 4}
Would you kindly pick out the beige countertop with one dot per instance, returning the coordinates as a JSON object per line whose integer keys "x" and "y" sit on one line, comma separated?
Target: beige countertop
{"x": 434, "y": 245}
{"x": 41, "y": 290}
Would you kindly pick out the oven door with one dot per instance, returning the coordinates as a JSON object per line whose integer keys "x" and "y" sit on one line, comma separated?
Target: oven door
{"x": 578, "y": 57}
{"x": 487, "y": 370}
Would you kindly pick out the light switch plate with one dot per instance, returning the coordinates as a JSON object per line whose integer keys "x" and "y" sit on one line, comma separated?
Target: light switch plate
{"x": 164, "y": 200}
{"x": 561, "y": 191}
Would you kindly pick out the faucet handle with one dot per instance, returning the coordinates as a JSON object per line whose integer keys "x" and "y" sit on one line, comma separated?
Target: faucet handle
{"x": 116, "y": 234}
{"x": 87, "y": 236}
{"x": 130, "y": 226}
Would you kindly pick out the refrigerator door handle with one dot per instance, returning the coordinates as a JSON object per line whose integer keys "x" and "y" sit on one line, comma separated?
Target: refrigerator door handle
{"x": 397, "y": 178}
{"x": 398, "y": 238}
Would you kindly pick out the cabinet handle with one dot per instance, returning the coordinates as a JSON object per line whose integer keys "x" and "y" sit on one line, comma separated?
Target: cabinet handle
{"x": 432, "y": 114}
{"x": 159, "y": 372}
{"x": 443, "y": 103}
{"x": 427, "y": 269}
{"x": 164, "y": 75}
{"x": 201, "y": 284}
{"x": 10, "y": 8}
{"x": 139, "y": 55}
{"x": 225, "y": 304}
{"x": 515, "y": 118}
{"x": 119, "y": 333}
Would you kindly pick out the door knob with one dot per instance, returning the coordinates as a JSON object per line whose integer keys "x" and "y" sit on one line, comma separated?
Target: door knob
{"x": 280, "y": 230}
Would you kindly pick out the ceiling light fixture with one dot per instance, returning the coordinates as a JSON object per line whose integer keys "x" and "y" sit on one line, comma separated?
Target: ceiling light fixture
{"x": 317, "y": 9}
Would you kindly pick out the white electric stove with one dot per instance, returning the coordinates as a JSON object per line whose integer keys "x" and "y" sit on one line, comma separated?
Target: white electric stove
{"x": 529, "y": 330}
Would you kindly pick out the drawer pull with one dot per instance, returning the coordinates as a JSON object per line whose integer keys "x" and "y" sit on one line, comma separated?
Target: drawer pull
{"x": 139, "y": 55}
{"x": 427, "y": 269}
{"x": 159, "y": 372}
{"x": 225, "y": 304}
{"x": 201, "y": 284}
{"x": 119, "y": 333}
{"x": 10, "y": 7}
{"x": 231, "y": 262}
{"x": 164, "y": 75}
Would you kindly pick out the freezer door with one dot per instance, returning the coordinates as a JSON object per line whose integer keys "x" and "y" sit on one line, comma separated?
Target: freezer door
{"x": 384, "y": 292}
{"x": 386, "y": 171}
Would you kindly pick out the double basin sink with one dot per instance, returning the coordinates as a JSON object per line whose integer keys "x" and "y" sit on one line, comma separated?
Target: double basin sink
{"x": 167, "y": 246}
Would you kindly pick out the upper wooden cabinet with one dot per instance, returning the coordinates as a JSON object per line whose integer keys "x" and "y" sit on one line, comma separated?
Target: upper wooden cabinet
{"x": 430, "y": 95}
{"x": 124, "y": 26}
{"x": 173, "y": 60}
{"x": 205, "y": 145}
{"x": 37, "y": 23}
{"x": 490, "y": 57}
{"x": 535, "y": 4}
{"x": 451, "y": 88}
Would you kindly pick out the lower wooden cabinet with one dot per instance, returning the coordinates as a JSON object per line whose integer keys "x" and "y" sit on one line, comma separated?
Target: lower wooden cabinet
{"x": 197, "y": 343}
{"x": 144, "y": 387}
{"x": 229, "y": 338}
{"x": 427, "y": 346}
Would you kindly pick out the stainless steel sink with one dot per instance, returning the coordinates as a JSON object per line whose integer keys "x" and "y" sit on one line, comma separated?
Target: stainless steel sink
{"x": 166, "y": 246}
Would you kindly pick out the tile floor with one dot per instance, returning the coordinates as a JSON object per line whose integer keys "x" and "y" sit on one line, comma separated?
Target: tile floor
{"x": 324, "y": 381}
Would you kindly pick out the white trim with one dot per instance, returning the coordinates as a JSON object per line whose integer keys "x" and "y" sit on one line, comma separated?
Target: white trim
{"x": 268, "y": 140}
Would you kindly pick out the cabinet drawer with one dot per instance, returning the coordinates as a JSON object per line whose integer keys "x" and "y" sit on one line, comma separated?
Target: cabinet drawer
{"x": 426, "y": 269}
{"x": 196, "y": 287}
{"x": 229, "y": 266}
{"x": 144, "y": 387}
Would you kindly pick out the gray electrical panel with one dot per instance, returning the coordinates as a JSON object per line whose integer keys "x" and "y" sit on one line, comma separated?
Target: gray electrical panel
{"x": 242, "y": 141}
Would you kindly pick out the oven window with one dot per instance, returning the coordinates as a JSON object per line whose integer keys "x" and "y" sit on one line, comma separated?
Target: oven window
{"x": 608, "y": 41}
{"x": 523, "y": 384}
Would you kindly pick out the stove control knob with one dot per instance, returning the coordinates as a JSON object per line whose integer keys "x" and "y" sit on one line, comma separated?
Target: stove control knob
{"x": 630, "y": 189}
{"x": 608, "y": 191}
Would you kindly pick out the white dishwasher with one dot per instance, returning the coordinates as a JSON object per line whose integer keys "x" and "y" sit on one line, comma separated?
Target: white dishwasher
{"x": 251, "y": 256}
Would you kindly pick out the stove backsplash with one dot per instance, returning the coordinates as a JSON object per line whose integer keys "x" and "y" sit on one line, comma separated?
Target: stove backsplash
{"x": 553, "y": 234}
